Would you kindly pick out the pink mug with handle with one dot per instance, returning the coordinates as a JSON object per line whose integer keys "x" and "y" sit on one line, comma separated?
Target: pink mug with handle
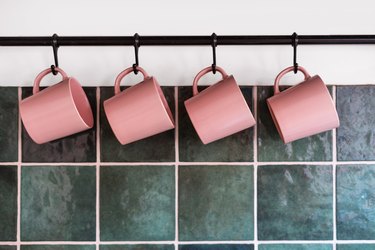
{"x": 139, "y": 111}
{"x": 302, "y": 110}
{"x": 57, "y": 111}
{"x": 220, "y": 110}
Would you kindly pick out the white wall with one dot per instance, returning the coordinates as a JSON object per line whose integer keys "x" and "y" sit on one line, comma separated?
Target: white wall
{"x": 250, "y": 65}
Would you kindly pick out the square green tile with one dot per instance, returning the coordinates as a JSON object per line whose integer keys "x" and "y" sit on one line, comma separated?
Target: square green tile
{"x": 356, "y": 134}
{"x": 356, "y": 202}
{"x": 216, "y": 203}
{"x": 8, "y": 203}
{"x": 271, "y": 147}
{"x": 137, "y": 203}
{"x": 137, "y": 247}
{"x": 217, "y": 246}
{"x": 58, "y": 247}
{"x": 8, "y": 124}
{"x": 79, "y": 147}
{"x": 237, "y": 147}
{"x": 58, "y": 203}
{"x": 8, "y": 247}
{"x": 157, "y": 148}
{"x": 355, "y": 246}
{"x": 295, "y": 202}
{"x": 295, "y": 247}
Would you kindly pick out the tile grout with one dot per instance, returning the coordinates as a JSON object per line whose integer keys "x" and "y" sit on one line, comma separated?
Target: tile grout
{"x": 19, "y": 139}
{"x": 97, "y": 168}
{"x": 255, "y": 177}
{"x": 334, "y": 159}
{"x": 177, "y": 159}
{"x": 104, "y": 164}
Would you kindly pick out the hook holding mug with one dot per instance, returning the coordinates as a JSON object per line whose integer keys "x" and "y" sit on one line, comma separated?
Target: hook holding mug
{"x": 214, "y": 44}
{"x": 136, "y": 48}
{"x": 55, "y": 47}
{"x": 295, "y": 44}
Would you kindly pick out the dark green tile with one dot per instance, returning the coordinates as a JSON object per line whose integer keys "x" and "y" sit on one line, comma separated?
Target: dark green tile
{"x": 216, "y": 247}
{"x": 58, "y": 203}
{"x": 356, "y": 202}
{"x": 79, "y": 147}
{"x": 8, "y": 124}
{"x": 215, "y": 203}
{"x": 137, "y": 247}
{"x": 58, "y": 247}
{"x": 271, "y": 147}
{"x": 237, "y": 147}
{"x": 157, "y": 148}
{"x": 355, "y": 247}
{"x": 8, "y": 247}
{"x": 356, "y": 134}
{"x": 137, "y": 203}
{"x": 295, "y": 247}
{"x": 8, "y": 203}
{"x": 295, "y": 202}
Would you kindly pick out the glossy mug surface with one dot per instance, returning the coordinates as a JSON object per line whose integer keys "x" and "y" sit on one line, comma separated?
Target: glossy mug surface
{"x": 139, "y": 111}
{"x": 57, "y": 111}
{"x": 220, "y": 110}
{"x": 304, "y": 109}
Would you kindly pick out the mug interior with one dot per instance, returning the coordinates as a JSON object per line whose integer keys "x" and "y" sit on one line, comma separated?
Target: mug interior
{"x": 163, "y": 100}
{"x": 275, "y": 121}
{"x": 81, "y": 102}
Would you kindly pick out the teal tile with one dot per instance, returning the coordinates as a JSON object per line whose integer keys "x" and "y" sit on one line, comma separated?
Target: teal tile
{"x": 8, "y": 247}
{"x": 8, "y": 203}
{"x": 157, "y": 148}
{"x": 237, "y": 147}
{"x": 58, "y": 203}
{"x": 271, "y": 147}
{"x": 295, "y": 247}
{"x": 137, "y": 203}
{"x": 295, "y": 202}
{"x": 215, "y": 203}
{"x": 137, "y": 247}
{"x": 356, "y": 202}
{"x": 355, "y": 246}
{"x": 79, "y": 147}
{"x": 58, "y": 247}
{"x": 356, "y": 134}
{"x": 216, "y": 247}
{"x": 8, "y": 124}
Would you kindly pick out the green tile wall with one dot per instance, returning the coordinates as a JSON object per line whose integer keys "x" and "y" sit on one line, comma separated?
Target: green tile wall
{"x": 247, "y": 191}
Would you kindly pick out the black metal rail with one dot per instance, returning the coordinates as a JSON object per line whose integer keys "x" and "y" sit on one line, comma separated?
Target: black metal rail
{"x": 186, "y": 40}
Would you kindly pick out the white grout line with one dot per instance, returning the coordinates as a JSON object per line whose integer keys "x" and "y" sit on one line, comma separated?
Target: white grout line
{"x": 97, "y": 168}
{"x": 334, "y": 159}
{"x": 188, "y": 163}
{"x": 177, "y": 159}
{"x": 255, "y": 148}
{"x": 19, "y": 137}
{"x": 13, "y": 243}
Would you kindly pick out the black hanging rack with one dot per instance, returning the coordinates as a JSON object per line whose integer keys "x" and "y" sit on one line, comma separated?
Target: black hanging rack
{"x": 187, "y": 40}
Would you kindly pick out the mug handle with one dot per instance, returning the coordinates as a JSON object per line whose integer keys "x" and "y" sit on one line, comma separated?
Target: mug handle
{"x": 124, "y": 73}
{"x": 202, "y": 73}
{"x": 42, "y": 74}
{"x": 276, "y": 89}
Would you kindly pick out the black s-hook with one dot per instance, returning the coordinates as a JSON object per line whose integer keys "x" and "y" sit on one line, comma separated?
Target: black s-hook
{"x": 295, "y": 44}
{"x": 55, "y": 47}
{"x": 136, "y": 48}
{"x": 214, "y": 44}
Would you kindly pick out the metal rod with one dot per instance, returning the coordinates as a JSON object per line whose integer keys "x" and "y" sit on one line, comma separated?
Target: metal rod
{"x": 186, "y": 40}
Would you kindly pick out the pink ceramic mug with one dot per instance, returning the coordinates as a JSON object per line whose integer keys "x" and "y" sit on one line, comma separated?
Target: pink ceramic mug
{"x": 57, "y": 111}
{"x": 220, "y": 110}
{"x": 139, "y": 111}
{"x": 302, "y": 110}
